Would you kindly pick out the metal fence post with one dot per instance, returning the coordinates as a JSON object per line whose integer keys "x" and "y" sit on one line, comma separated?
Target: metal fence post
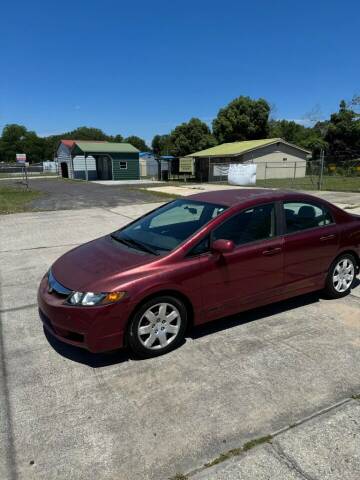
{"x": 86, "y": 170}
{"x": 265, "y": 172}
{"x": 321, "y": 168}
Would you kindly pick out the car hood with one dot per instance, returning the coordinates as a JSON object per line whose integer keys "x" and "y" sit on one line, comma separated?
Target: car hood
{"x": 99, "y": 265}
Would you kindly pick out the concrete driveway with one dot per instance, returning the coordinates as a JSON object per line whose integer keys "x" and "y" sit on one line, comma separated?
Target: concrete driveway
{"x": 345, "y": 199}
{"x": 69, "y": 414}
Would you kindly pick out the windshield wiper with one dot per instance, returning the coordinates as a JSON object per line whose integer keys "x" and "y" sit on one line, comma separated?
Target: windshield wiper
{"x": 130, "y": 242}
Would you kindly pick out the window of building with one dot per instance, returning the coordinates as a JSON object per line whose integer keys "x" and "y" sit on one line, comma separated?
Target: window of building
{"x": 123, "y": 165}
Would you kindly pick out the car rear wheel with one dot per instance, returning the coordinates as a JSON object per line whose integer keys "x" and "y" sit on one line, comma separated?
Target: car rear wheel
{"x": 157, "y": 327}
{"x": 341, "y": 276}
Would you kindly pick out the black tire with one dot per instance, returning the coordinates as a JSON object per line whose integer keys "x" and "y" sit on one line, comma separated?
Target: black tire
{"x": 134, "y": 338}
{"x": 330, "y": 289}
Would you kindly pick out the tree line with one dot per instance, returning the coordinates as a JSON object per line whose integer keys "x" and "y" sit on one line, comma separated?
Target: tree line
{"x": 17, "y": 139}
{"x": 248, "y": 119}
{"x": 242, "y": 119}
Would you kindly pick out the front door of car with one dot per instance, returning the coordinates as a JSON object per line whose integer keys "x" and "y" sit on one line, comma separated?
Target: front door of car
{"x": 250, "y": 274}
{"x": 310, "y": 245}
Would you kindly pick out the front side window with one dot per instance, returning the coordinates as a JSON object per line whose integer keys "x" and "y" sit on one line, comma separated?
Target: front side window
{"x": 257, "y": 223}
{"x": 301, "y": 216}
{"x": 168, "y": 226}
{"x": 202, "y": 247}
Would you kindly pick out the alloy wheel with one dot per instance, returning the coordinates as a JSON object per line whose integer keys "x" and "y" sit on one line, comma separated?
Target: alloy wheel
{"x": 343, "y": 275}
{"x": 159, "y": 326}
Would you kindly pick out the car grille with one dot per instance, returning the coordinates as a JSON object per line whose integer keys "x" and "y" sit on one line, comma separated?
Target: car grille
{"x": 55, "y": 287}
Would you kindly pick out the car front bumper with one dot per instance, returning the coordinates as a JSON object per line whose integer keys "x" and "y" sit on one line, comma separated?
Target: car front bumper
{"x": 97, "y": 329}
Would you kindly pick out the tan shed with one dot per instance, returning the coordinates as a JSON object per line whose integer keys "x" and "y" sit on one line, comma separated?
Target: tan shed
{"x": 274, "y": 157}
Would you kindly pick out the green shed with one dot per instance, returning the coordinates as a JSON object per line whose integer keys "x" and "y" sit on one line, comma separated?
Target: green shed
{"x": 105, "y": 161}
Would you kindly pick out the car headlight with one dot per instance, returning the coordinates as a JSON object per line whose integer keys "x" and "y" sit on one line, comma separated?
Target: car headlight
{"x": 90, "y": 298}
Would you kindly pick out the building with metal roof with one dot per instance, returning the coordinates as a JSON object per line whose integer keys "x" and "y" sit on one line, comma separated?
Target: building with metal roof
{"x": 98, "y": 160}
{"x": 274, "y": 157}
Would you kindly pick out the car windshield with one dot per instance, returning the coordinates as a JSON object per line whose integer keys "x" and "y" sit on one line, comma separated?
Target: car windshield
{"x": 164, "y": 229}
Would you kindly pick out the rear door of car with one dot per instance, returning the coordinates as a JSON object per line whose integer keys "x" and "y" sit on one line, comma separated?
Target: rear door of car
{"x": 311, "y": 241}
{"x": 250, "y": 274}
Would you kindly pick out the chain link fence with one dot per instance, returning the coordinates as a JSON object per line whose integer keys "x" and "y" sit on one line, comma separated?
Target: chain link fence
{"x": 10, "y": 170}
{"x": 315, "y": 174}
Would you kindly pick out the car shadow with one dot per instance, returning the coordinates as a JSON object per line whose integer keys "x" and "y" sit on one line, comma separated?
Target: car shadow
{"x": 249, "y": 316}
{"x": 97, "y": 360}
{"x": 80, "y": 355}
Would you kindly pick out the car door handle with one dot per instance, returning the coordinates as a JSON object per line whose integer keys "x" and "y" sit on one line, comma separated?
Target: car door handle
{"x": 272, "y": 251}
{"x": 327, "y": 237}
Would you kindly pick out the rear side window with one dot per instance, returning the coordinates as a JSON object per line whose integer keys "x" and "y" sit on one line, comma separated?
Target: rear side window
{"x": 301, "y": 216}
{"x": 254, "y": 224}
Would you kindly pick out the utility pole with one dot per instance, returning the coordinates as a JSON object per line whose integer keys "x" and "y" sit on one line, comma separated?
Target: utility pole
{"x": 321, "y": 168}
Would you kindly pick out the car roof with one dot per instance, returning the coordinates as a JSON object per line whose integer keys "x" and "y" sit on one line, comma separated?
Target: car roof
{"x": 237, "y": 196}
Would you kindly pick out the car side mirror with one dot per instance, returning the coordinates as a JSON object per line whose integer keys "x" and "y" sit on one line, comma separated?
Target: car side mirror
{"x": 222, "y": 246}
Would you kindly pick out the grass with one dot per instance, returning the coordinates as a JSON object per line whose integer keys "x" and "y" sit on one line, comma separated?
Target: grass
{"x": 154, "y": 194}
{"x": 254, "y": 443}
{"x": 229, "y": 454}
{"x": 334, "y": 183}
{"x": 16, "y": 199}
{"x": 237, "y": 451}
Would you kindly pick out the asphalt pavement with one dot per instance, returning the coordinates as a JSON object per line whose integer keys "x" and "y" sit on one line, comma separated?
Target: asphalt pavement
{"x": 65, "y": 194}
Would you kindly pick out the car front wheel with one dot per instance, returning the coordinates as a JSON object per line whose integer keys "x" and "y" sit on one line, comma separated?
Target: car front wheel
{"x": 157, "y": 327}
{"x": 341, "y": 276}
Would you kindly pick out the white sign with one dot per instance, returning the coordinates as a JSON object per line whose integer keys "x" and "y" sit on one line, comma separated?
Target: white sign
{"x": 186, "y": 165}
{"x": 50, "y": 166}
{"x": 220, "y": 170}
{"x": 242, "y": 174}
{"x": 21, "y": 157}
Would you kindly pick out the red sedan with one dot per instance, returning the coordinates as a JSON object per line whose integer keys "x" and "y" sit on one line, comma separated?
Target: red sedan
{"x": 194, "y": 260}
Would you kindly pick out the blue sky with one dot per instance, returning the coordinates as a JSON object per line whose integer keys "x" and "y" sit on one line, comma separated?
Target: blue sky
{"x": 142, "y": 67}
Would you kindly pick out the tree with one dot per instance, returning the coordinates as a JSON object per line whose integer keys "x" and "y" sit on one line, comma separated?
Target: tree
{"x": 17, "y": 139}
{"x": 287, "y": 130}
{"x": 34, "y": 147}
{"x": 343, "y": 134}
{"x": 117, "y": 139}
{"x": 86, "y": 133}
{"x": 12, "y": 142}
{"x": 310, "y": 138}
{"x": 80, "y": 133}
{"x": 161, "y": 145}
{"x": 190, "y": 137}
{"x": 242, "y": 119}
{"x": 138, "y": 143}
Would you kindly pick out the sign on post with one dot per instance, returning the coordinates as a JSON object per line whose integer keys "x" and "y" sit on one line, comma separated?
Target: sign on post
{"x": 186, "y": 165}
{"x": 21, "y": 158}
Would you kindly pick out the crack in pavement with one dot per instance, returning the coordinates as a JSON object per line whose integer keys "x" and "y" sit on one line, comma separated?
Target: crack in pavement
{"x": 119, "y": 214}
{"x": 289, "y": 461}
{"x": 39, "y": 248}
{"x": 15, "y": 309}
{"x": 10, "y": 452}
